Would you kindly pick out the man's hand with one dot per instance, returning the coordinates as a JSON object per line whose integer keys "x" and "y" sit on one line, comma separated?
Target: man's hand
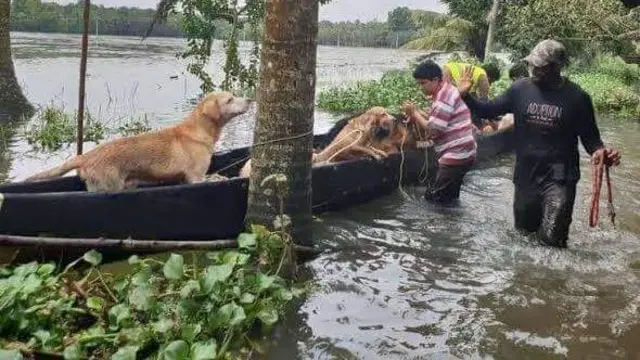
{"x": 466, "y": 80}
{"x": 610, "y": 157}
{"x": 409, "y": 109}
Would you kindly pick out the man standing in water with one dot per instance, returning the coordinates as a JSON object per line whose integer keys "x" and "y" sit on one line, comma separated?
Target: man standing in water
{"x": 551, "y": 113}
{"x": 449, "y": 125}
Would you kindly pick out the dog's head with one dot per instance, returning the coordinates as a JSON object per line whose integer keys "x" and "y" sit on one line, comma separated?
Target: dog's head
{"x": 378, "y": 121}
{"x": 401, "y": 134}
{"x": 378, "y": 116}
{"x": 222, "y": 106}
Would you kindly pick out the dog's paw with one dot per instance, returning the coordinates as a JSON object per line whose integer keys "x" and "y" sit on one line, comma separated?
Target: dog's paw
{"x": 215, "y": 177}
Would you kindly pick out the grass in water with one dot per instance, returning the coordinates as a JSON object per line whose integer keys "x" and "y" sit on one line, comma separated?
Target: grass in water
{"x": 171, "y": 309}
{"x": 612, "y": 84}
{"x": 53, "y": 129}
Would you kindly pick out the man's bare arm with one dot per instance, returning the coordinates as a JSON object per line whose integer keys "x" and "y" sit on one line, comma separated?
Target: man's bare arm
{"x": 483, "y": 88}
{"x": 446, "y": 75}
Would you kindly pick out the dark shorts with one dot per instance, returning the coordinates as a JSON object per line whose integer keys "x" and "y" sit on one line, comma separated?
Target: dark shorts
{"x": 446, "y": 187}
{"x": 546, "y": 210}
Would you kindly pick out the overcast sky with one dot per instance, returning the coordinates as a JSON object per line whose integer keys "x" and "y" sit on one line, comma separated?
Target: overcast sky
{"x": 337, "y": 10}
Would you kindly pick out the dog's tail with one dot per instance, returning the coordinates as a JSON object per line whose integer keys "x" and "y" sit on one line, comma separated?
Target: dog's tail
{"x": 57, "y": 171}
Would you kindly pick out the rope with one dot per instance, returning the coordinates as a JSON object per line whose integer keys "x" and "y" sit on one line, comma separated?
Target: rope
{"x": 360, "y": 132}
{"x": 595, "y": 200}
{"x": 425, "y": 166}
{"x": 262, "y": 143}
{"x": 233, "y": 164}
{"x": 402, "y": 167}
{"x": 283, "y": 139}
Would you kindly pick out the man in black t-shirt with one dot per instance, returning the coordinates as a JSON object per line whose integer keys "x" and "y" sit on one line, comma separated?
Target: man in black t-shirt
{"x": 550, "y": 114}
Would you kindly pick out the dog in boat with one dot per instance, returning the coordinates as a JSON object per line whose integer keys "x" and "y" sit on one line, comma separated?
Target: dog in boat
{"x": 375, "y": 133}
{"x": 179, "y": 153}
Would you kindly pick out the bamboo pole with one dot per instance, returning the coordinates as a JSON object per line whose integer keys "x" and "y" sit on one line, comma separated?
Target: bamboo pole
{"x": 130, "y": 244}
{"x": 83, "y": 76}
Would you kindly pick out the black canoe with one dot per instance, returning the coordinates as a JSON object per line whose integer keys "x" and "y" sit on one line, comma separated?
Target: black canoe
{"x": 205, "y": 211}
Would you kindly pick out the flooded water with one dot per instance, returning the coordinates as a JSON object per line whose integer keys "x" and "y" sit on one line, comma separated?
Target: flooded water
{"x": 401, "y": 279}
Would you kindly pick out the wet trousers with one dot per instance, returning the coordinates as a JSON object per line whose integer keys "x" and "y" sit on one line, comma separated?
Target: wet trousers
{"x": 546, "y": 210}
{"x": 446, "y": 187}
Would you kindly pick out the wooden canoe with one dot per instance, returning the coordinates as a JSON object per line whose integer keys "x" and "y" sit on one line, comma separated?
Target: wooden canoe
{"x": 63, "y": 208}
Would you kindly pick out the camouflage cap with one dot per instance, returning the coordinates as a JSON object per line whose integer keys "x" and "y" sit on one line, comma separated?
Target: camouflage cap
{"x": 547, "y": 52}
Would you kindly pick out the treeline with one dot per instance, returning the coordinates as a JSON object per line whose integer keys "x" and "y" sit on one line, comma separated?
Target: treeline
{"x": 38, "y": 16}
{"x": 358, "y": 34}
{"x": 401, "y": 26}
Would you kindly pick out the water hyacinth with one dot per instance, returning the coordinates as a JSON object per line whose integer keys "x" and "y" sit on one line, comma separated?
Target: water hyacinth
{"x": 612, "y": 84}
{"x": 169, "y": 309}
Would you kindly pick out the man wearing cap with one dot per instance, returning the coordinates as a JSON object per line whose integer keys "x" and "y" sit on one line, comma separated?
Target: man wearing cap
{"x": 550, "y": 114}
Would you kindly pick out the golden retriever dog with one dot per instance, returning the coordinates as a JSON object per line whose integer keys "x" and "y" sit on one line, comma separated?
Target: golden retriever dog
{"x": 357, "y": 137}
{"x": 384, "y": 136}
{"x": 179, "y": 153}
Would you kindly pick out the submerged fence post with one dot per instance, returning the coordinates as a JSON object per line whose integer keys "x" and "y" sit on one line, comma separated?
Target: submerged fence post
{"x": 83, "y": 75}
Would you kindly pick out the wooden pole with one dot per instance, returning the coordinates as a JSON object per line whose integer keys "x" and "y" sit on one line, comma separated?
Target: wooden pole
{"x": 129, "y": 244}
{"x": 83, "y": 76}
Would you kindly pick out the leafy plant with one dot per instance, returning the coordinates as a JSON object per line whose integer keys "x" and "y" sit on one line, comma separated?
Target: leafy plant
{"x": 390, "y": 91}
{"x": 53, "y": 128}
{"x": 157, "y": 310}
{"x": 134, "y": 127}
{"x": 584, "y": 27}
{"x": 610, "y": 95}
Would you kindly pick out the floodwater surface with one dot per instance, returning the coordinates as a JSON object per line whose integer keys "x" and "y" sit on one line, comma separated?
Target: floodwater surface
{"x": 401, "y": 279}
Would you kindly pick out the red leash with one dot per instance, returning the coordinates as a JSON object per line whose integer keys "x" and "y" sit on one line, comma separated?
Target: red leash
{"x": 595, "y": 200}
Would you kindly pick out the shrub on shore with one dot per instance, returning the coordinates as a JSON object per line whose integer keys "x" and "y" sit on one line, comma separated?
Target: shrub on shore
{"x": 612, "y": 84}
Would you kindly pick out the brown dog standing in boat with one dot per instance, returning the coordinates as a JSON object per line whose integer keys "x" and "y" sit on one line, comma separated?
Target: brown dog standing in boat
{"x": 179, "y": 153}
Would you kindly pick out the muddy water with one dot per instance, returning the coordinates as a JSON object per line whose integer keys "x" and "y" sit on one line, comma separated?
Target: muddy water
{"x": 402, "y": 279}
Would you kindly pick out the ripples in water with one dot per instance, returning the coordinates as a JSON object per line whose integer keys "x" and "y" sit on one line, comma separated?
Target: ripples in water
{"x": 407, "y": 280}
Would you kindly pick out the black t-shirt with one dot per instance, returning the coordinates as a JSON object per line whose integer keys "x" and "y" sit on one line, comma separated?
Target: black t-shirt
{"x": 547, "y": 125}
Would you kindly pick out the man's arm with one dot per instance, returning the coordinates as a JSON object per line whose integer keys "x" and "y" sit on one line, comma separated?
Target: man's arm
{"x": 435, "y": 122}
{"x": 486, "y": 109}
{"x": 420, "y": 117}
{"x": 588, "y": 128}
{"x": 492, "y": 108}
{"x": 483, "y": 88}
{"x": 446, "y": 74}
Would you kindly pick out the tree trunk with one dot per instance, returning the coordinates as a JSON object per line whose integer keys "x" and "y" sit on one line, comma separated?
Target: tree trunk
{"x": 13, "y": 103}
{"x": 283, "y": 136}
{"x": 493, "y": 15}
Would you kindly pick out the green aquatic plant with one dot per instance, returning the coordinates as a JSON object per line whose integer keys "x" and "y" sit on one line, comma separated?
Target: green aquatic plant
{"x": 612, "y": 84}
{"x": 172, "y": 309}
{"x": 390, "y": 91}
{"x": 52, "y": 129}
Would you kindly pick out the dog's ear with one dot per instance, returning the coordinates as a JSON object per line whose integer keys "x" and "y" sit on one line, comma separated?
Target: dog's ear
{"x": 367, "y": 119}
{"x": 210, "y": 108}
{"x": 377, "y": 119}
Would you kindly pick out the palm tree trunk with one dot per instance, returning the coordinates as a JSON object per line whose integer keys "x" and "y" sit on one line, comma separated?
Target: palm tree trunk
{"x": 283, "y": 136}
{"x": 13, "y": 103}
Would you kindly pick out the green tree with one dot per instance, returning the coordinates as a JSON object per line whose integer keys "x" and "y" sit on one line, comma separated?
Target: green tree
{"x": 475, "y": 12}
{"x": 447, "y": 34}
{"x": 400, "y": 19}
{"x": 585, "y": 28}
